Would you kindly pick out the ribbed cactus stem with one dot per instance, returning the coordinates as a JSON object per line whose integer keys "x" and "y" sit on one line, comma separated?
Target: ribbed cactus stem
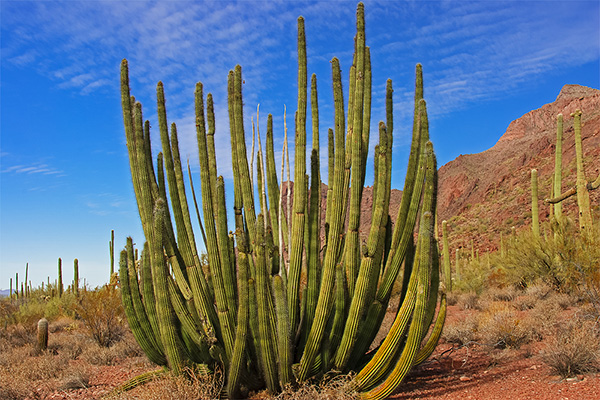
{"x": 535, "y": 221}
{"x": 446, "y": 255}
{"x": 60, "y": 281}
{"x": 298, "y": 217}
{"x": 76, "y": 277}
{"x": 164, "y": 309}
{"x": 583, "y": 196}
{"x": 557, "y": 188}
{"x": 42, "y": 334}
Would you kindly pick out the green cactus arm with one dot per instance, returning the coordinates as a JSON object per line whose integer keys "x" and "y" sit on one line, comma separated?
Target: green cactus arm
{"x": 236, "y": 365}
{"x": 446, "y": 256}
{"x": 387, "y": 352}
{"x": 557, "y": 181}
{"x": 315, "y": 336}
{"x": 366, "y": 128}
{"x": 197, "y": 208}
{"x": 227, "y": 263}
{"x": 200, "y": 350}
{"x": 247, "y": 192}
{"x": 164, "y": 308}
{"x": 170, "y": 243}
{"x": 284, "y": 342}
{"x": 410, "y": 182}
{"x": 366, "y": 275}
{"x": 436, "y": 333}
{"x": 154, "y": 354}
{"x": 351, "y": 249}
{"x": 210, "y": 143}
{"x": 314, "y": 247}
{"x": 583, "y": 195}
{"x": 133, "y": 289}
{"x": 267, "y": 336}
{"x": 148, "y": 294}
{"x": 60, "y": 281}
{"x": 182, "y": 235}
{"x": 237, "y": 192}
{"x": 535, "y": 216}
{"x": 225, "y": 317}
{"x": 298, "y": 217}
{"x": 416, "y": 330}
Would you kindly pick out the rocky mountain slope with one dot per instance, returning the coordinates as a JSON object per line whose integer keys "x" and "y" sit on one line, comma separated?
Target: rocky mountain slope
{"x": 487, "y": 193}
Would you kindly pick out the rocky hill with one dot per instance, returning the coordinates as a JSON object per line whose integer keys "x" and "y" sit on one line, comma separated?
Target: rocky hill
{"x": 487, "y": 193}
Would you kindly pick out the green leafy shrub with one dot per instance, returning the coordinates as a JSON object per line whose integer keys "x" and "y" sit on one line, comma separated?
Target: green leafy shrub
{"x": 102, "y": 313}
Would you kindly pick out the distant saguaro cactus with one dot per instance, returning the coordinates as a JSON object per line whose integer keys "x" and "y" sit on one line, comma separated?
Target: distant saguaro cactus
{"x": 255, "y": 328}
{"x": 76, "y": 277}
{"x": 582, "y": 186}
{"x": 60, "y": 287}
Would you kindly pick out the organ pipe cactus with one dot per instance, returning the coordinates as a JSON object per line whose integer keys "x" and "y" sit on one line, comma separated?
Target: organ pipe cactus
{"x": 250, "y": 311}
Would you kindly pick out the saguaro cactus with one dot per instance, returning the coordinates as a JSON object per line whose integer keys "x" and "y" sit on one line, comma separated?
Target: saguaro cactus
{"x": 271, "y": 328}
{"x": 582, "y": 186}
{"x": 60, "y": 281}
{"x": 76, "y": 277}
{"x": 535, "y": 214}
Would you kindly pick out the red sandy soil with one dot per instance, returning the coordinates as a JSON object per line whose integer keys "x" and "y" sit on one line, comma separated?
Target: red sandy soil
{"x": 451, "y": 373}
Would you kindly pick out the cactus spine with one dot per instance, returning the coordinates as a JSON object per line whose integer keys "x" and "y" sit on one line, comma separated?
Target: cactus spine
{"x": 271, "y": 322}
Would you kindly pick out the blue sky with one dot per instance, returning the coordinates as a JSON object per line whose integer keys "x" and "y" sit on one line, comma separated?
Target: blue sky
{"x": 64, "y": 173}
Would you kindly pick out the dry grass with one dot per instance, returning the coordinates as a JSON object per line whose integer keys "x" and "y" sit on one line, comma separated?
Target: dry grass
{"x": 500, "y": 326}
{"x": 574, "y": 349}
{"x": 461, "y": 332}
{"x": 191, "y": 385}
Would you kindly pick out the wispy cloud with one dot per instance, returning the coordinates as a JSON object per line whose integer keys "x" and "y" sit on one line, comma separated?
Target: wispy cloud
{"x": 36, "y": 168}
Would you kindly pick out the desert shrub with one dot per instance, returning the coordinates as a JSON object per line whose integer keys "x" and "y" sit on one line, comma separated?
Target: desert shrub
{"x": 102, "y": 313}
{"x": 509, "y": 293}
{"x": 474, "y": 277}
{"x": 566, "y": 261}
{"x": 468, "y": 301}
{"x": 338, "y": 387}
{"x": 460, "y": 332}
{"x": 99, "y": 355}
{"x": 75, "y": 378}
{"x": 192, "y": 384}
{"x": 524, "y": 302}
{"x": 128, "y": 347}
{"x": 501, "y": 327}
{"x": 574, "y": 349}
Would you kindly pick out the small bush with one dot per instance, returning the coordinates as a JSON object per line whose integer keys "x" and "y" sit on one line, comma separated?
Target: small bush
{"x": 102, "y": 313}
{"x": 500, "y": 327}
{"x": 461, "y": 332}
{"x": 192, "y": 384}
{"x": 574, "y": 349}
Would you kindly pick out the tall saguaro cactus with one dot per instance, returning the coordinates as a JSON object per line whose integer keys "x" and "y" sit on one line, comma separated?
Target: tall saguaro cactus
{"x": 582, "y": 186}
{"x": 250, "y": 310}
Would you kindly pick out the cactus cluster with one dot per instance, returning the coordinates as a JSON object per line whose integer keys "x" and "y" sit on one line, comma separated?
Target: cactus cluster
{"x": 249, "y": 310}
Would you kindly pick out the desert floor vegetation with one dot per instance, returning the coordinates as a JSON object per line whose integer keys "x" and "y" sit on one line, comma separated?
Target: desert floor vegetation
{"x": 501, "y": 332}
